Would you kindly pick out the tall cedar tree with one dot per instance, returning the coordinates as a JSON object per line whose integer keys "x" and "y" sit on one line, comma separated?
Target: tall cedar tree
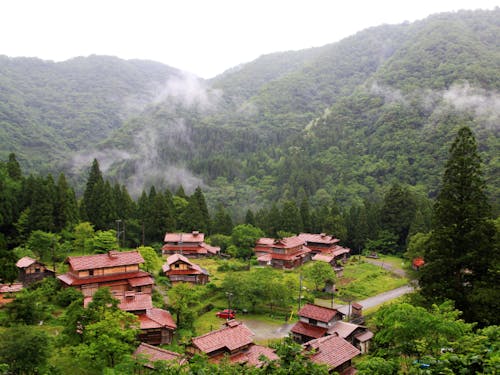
{"x": 461, "y": 247}
{"x": 94, "y": 203}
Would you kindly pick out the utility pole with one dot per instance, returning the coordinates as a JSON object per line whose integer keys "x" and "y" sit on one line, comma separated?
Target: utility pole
{"x": 229, "y": 296}
{"x": 300, "y": 290}
{"x": 118, "y": 233}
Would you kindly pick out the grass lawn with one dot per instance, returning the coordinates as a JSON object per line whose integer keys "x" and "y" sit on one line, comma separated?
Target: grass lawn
{"x": 362, "y": 280}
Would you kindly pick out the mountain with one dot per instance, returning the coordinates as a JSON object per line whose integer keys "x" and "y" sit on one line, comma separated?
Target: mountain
{"x": 338, "y": 122}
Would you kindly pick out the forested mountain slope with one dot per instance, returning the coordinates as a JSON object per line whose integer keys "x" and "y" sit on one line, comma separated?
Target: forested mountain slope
{"x": 48, "y": 109}
{"x": 340, "y": 121}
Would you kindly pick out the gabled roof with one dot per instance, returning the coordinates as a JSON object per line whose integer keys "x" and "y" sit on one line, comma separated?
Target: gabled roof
{"x": 25, "y": 262}
{"x": 343, "y": 329}
{"x": 11, "y": 288}
{"x": 309, "y": 330}
{"x": 339, "y": 250}
{"x": 365, "y": 336}
{"x": 331, "y": 350}
{"x": 135, "y": 301}
{"x": 234, "y": 336}
{"x": 138, "y": 278}
{"x": 319, "y": 238}
{"x": 156, "y": 318}
{"x": 111, "y": 259}
{"x": 184, "y": 237}
{"x": 266, "y": 241}
{"x": 288, "y": 242}
{"x": 153, "y": 354}
{"x": 255, "y": 351}
{"x": 323, "y": 257}
{"x": 323, "y": 314}
{"x": 195, "y": 269}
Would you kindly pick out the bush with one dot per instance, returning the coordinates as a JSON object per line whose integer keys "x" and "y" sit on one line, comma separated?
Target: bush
{"x": 65, "y": 296}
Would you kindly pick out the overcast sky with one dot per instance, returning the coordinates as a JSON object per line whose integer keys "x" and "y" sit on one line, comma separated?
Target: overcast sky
{"x": 204, "y": 37}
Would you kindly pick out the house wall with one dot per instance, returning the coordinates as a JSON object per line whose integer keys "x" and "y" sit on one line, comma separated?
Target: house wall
{"x": 108, "y": 271}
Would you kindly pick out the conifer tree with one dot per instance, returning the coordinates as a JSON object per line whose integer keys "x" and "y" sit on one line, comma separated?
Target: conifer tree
{"x": 461, "y": 251}
{"x": 13, "y": 168}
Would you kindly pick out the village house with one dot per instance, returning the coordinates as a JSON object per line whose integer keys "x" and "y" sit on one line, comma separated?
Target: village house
{"x": 235, "y": 342}
{"x": 179, "y": 269}
{"x": 314, "y": 322}
{"x": 8, "y": 292}
{"x": 151, "y": 354}
{"x": 326, "y": 245}
{"x": 31, "y": 270}
{"x": 286, "y": 253}
{"x": 117, "y": 270}
{"x": 191, "y": 245}
{"x": 357, "y": 335}
{"x": 330, "y": 259}
{"x": 157, "y": 325}
{"x": 333, "y": 351}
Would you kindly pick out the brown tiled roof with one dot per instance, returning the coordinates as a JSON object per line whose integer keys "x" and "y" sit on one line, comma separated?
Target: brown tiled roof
{"x": 135, "y": 302}
{"x": 339, "y": 250}
{"x": 265, "y": 258}
{"x": 264, "y": 241}
{"x": 331, "y": 350}
{"x": 288, "y": 242}
{"x": 11, "y": 288}
{"x": 232, "y": 337}
{"x": 143, "y": 278}
{"x": 111, "y": 259}
{"x": 255, "y": 351}
{"x": 211, "y": 249}
{"x": 195, "y": 269}
{"x": 323, "y": 257}
{"x": 298, "y": 254}
{"x": 343, "y": 329}
{"x": 323, "y": 314}
{"x": 365, "y": 336}
{"x": 156, "y": 318}
{"x": 25, "y": 262}
{"x": 153, "y": 354}
{"x": 308, "y": 330}
{"x": 319, "y": 238}
{"x": 184, "y": 237}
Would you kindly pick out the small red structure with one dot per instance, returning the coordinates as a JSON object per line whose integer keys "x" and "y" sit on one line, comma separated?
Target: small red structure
{"x": 226, "y": 314}
{"x": 8, "y": 292}
{"x": 191, "y": 245}
{"x": 417, "y": 263}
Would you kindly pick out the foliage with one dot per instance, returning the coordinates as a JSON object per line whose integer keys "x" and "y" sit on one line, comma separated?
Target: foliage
{"x": 320, "y": 273}
{"x": 461, "y": 255}
{"x": 183, "y": 298}
{"x": 105, "y": 241}
{"x": 152, "y": 262}
{"x": 244, "y": 237}
{"x": 25, "y": 350}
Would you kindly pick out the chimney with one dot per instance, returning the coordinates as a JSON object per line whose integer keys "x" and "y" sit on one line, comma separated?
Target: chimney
{"x": 112, "y": 253}
{"x": 195, "y": 233}
{"x": 323, "y": 235}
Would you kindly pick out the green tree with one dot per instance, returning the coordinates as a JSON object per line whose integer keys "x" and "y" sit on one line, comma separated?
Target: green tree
{"x": 13, "y": 168}
{"x": 244, "y": 237}
{"x": 45, "y": 245}
{"x": 152, "y": 262}
{"x": 84, "y": 237}
{"x": 398, "y": 212}
{"x": 65, "y": 205}
{"x": 183, "y": 297}
{"x": 461, "y": 252}
{"x": 25, "y": 350}
{"x": 320, "y": 273}
{"x": 291, "y": 220}
{"x": 222, "y": 223}
{"x": 105, "y": 241}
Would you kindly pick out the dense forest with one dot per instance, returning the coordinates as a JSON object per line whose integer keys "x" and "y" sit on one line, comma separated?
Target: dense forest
{"x": 343, "y": 121}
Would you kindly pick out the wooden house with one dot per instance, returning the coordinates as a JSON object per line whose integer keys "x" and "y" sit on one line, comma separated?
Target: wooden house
{"x": 157, "y": 326}
{"x": 179, "y": 269}
{"x": 357, "y": 335}
{"x": 235, "y": 342}
{"x": 31, "y": 270}
{"x": 285, "y": 253}
{"x": 152, "y": 354}
{"x": 117, "y": 270}
{"x": 8, "y": 292}
{"x": 325, "y": 245}
{"x": 332, "y": 351}
{"x": 191, "y": 245}
{"x": 314, "y": 322}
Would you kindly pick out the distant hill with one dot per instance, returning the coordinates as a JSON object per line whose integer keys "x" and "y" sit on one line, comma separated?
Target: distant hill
{"x": 341, "y": 121}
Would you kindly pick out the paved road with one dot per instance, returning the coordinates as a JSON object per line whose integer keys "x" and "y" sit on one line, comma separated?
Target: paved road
{"x": 378, "y": 299}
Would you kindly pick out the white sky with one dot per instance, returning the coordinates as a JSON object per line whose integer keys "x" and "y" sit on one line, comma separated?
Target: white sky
{"x": 204, "y": 37}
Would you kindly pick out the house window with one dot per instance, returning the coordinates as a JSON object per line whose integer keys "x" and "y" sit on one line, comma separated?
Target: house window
{"x": 138, "y": 289}
{"x": 177, "y": 266}
{"x": 314, "y": 322}
{"x": 37, "y": 270}
{"x": 91, "y": 272}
